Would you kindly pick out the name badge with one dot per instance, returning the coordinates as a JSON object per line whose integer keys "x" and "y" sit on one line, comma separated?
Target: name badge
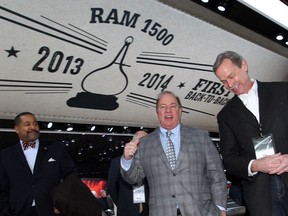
{"x": 264, "y": 146}
{"x": 138, "y": 194}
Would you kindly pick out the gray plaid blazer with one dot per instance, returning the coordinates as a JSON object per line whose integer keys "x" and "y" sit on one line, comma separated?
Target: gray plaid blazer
{"x": 198, "y": 183}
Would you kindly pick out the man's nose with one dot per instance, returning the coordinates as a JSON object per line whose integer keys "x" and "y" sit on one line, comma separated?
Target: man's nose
{"x": 33, "y": 126}
{"x": 230, "y": 84}
{"x": 168, "y": 109}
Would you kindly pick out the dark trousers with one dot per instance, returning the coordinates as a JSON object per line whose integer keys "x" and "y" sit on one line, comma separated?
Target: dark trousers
{"x": 33, "y": 211}
{"x": 179, "y": 212}
{"x": 279, "y": 197}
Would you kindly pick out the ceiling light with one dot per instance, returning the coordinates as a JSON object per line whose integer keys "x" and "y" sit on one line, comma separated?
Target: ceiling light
{"x": 127, "y": 130}
{"x": 280, "y": 37}
{"x": 49, "y": 125}
{"x": 109, "y": 129}
{"x": 91, "y": 127}
{"x": 69, "y": 127}
{"x": 221, "y": 8}
{"x": 222, "y": 5}
{"x": 205, "y": 1}
{"x": 286, "y": 42}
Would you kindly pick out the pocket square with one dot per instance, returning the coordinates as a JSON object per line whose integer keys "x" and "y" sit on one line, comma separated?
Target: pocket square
{"x": 51, "y": 160}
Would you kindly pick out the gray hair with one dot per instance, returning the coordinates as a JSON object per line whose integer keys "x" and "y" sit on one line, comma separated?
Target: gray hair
{"x": 167, "y": 92}
{"x": 235, "y": 58}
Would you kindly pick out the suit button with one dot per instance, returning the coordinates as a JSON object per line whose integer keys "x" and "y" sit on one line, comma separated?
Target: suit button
{"x": 173, "y": 196}
{"x": 174, "y": 174}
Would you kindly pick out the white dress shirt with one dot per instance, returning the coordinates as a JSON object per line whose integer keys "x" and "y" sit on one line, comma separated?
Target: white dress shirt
{"x": 31, "y": 154}
{"x": 251, "y": 101}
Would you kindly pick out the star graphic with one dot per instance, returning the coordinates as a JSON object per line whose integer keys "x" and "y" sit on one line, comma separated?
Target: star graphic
{"x": 12, "y": 52}
{"x": 181, "y": 85}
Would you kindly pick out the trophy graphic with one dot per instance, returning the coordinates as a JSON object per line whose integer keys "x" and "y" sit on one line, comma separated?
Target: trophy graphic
{"x": 103, "y": 84}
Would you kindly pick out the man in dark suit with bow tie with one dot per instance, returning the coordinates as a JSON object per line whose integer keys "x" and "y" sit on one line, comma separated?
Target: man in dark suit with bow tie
{"x": 30, "y": 170}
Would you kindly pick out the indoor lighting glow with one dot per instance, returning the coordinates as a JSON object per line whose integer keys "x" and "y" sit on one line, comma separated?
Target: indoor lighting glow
{"x": 279, "y": 37}
{"x": 92, "y": 127}
{"x": 205, "y": 1}
{"x": 49, "y": 125}
{"x": 274, "y": 10}
{"x": 69, "y": 127}
{"x": 221, "y": 8}
{"x": 222, "y": 5}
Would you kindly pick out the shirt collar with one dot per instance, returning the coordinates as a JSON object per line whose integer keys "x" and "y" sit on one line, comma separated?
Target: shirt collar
{"x": 252, "y": 91}
{"x": 174, "y": 131}
{"x": 254, "y": 87}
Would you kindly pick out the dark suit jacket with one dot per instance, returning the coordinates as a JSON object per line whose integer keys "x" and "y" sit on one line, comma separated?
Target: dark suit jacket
{"x": 198, "y": 183}
{"x": 18, "y": 186}
{"x": 238, "y": 126}
{"x": 122, "y": 193}
{"x": 73, "y": 198}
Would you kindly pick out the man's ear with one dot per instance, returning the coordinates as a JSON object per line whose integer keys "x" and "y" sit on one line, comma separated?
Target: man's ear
{"x": 156, "y": 114}
{"x": 244, "y": 66}
{"x": 16, "y": 129}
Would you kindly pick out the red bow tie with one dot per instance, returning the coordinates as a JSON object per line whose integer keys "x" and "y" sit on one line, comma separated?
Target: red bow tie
{"x": 27, "y": 144}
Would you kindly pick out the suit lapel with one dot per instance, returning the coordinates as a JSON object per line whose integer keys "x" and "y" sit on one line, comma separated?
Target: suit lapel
{"x": 263, "y": 100}
{"x": 159, "y": 149}
{"x": 183, "y": 144}
{"x": 239, "y": 109}
{"x": 19, "y": 153}
{"x": 43, "y": 148}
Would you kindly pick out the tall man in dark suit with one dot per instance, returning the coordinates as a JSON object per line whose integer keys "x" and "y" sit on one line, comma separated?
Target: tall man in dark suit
{"x": 257, "y": 113}
{"x": 121, "y": 192}
{"x": 30, "y": 170}
{"x": 196, "y": 184}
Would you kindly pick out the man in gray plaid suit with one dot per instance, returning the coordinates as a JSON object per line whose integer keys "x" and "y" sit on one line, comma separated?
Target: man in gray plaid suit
{"x": 197, "y": 184}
